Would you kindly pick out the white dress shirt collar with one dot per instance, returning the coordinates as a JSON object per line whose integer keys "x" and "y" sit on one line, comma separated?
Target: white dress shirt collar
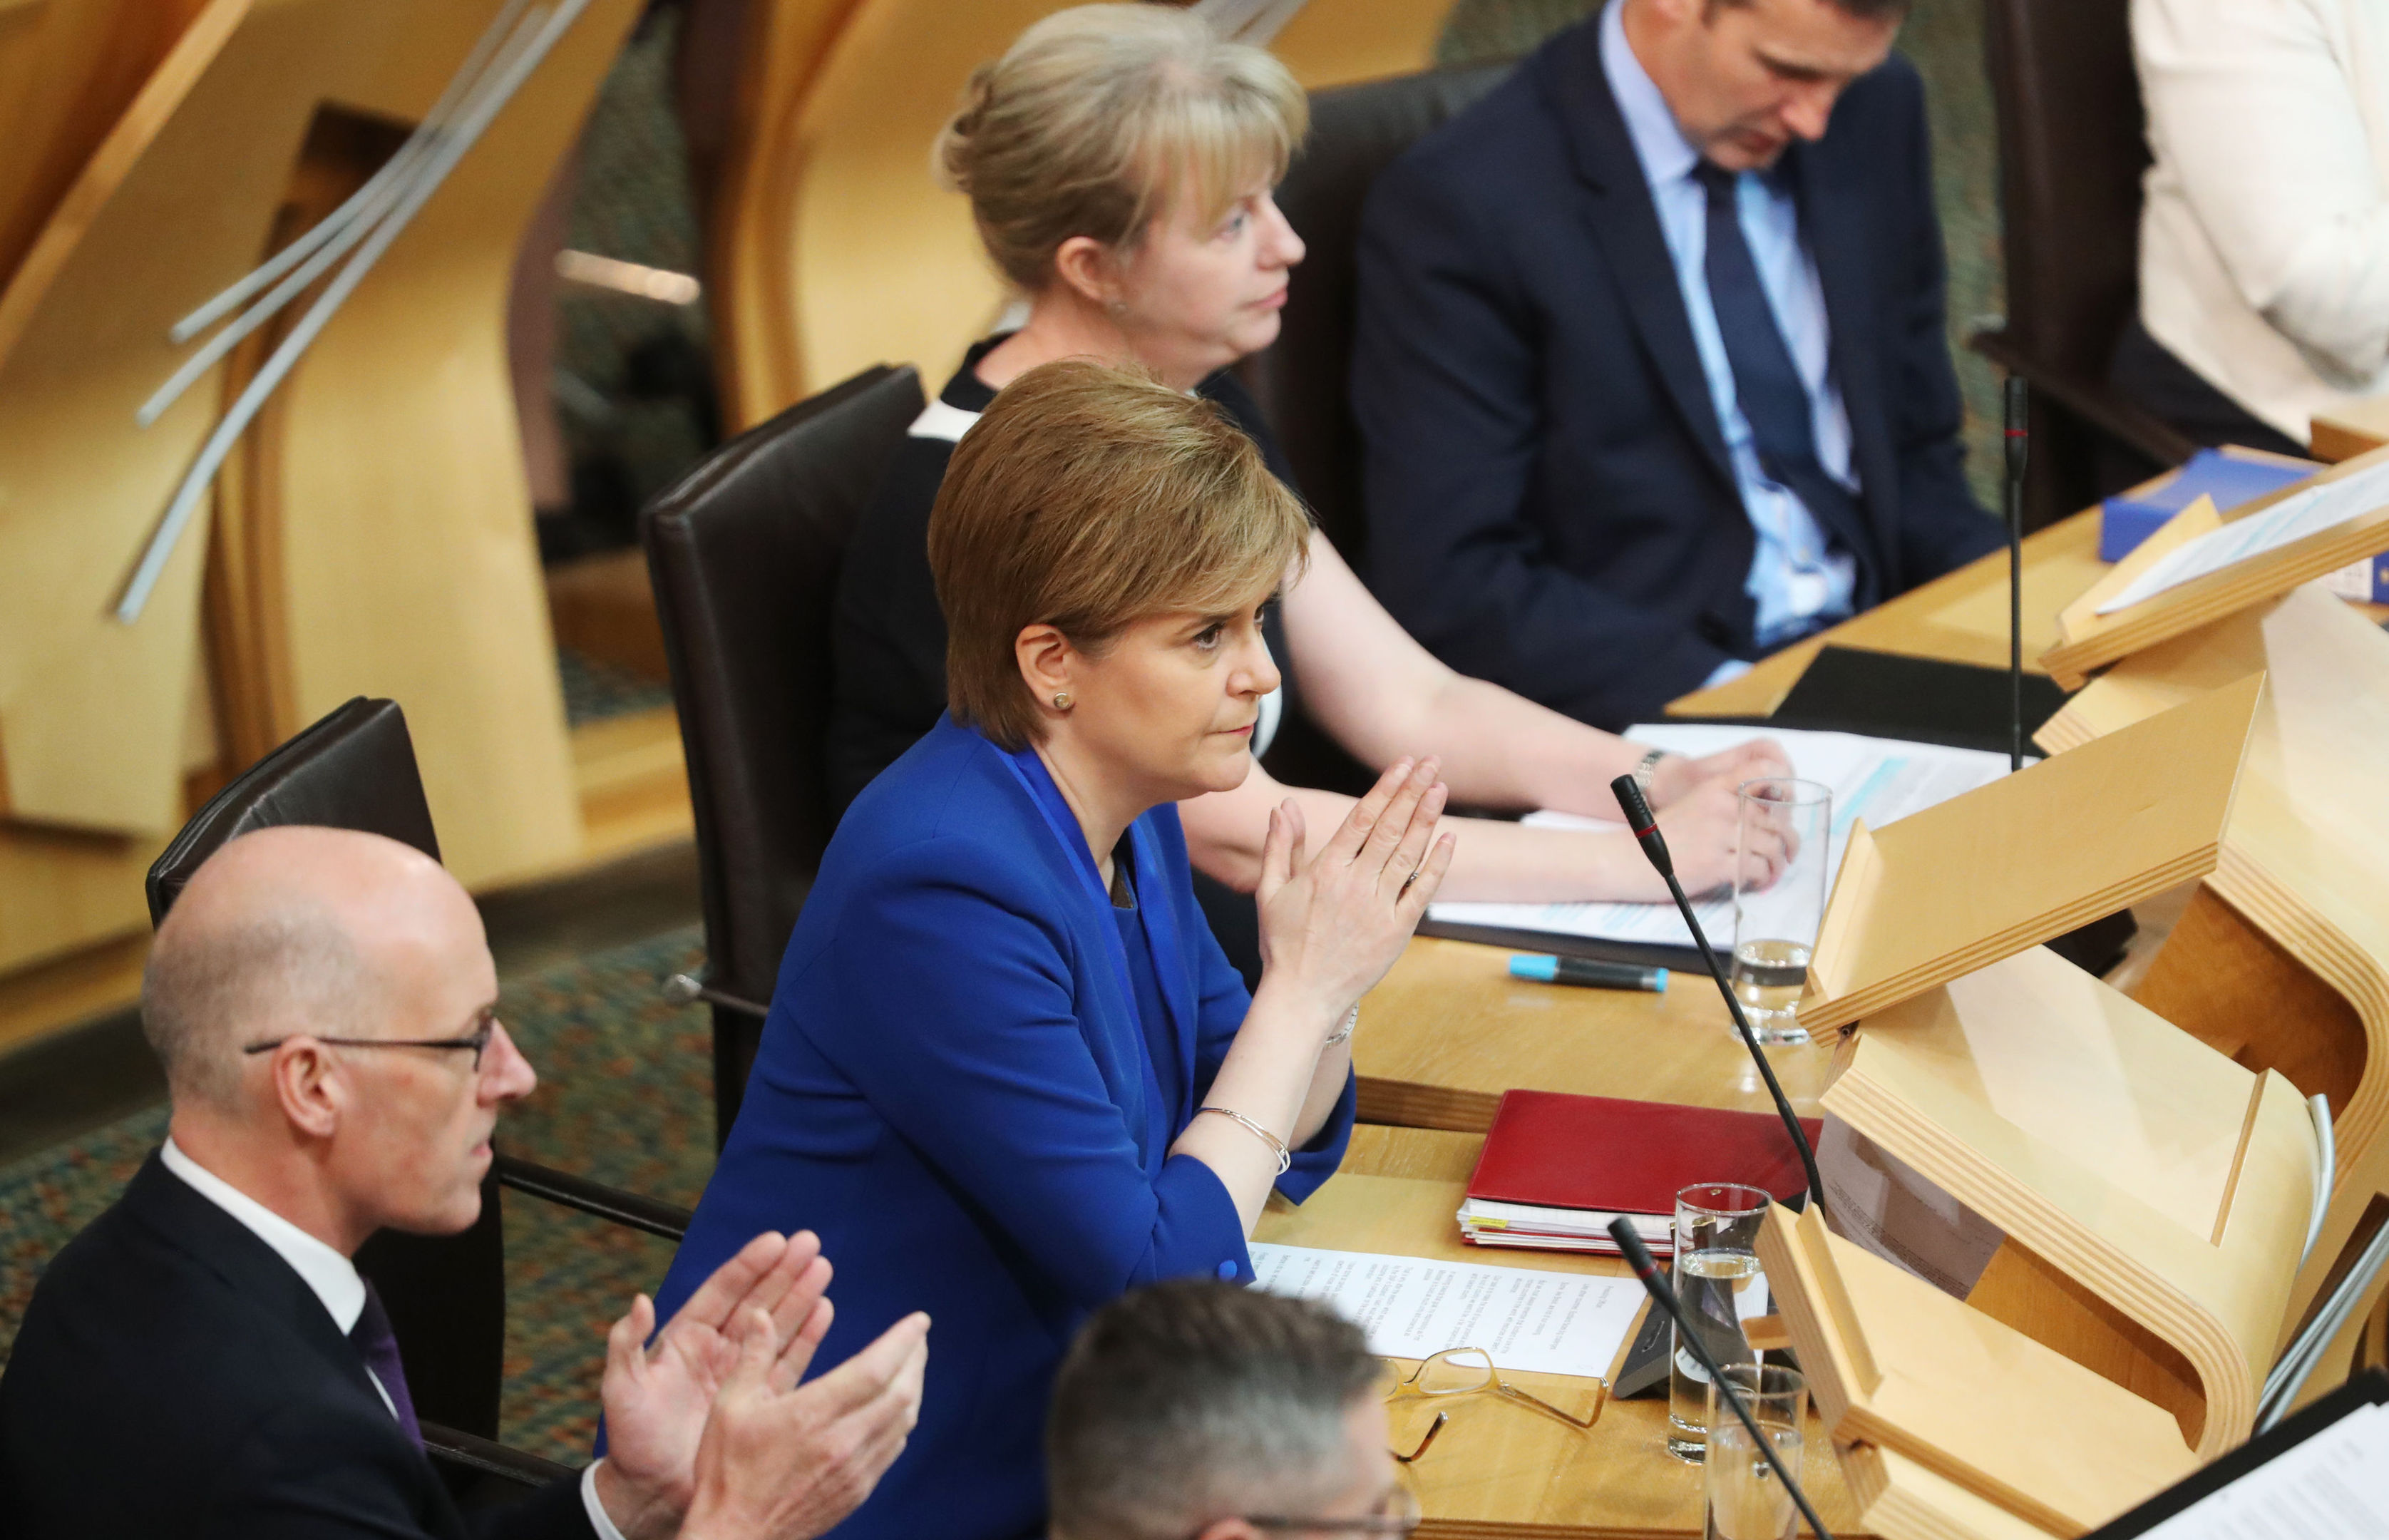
{"x": 333, "y": 1277}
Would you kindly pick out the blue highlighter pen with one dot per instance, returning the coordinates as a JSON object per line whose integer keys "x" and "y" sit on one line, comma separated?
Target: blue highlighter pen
{"x": 1589, "y": 975}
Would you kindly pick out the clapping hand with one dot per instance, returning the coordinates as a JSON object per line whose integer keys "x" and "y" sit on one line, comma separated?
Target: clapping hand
{"x": 657, "y": 1396}
{"x": 780, "y": 1462}
{"x": 1333, "y": 924}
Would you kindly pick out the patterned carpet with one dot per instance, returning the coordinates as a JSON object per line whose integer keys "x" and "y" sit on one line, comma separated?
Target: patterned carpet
{"x": 625, "y": 1096}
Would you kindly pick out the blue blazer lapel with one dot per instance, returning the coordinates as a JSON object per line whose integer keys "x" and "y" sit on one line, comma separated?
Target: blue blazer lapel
{"x": 1157, "y": 895}
{"x": 1627, "y": 225}
{"x": 1833, "y": 220}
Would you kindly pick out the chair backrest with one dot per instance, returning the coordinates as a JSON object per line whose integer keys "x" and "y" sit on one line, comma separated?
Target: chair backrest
{"x": 744, "y": 553}
{"x": 446, "y": 1294}
{"x": 2073, "y": 147}
{"x": 1300, "y": 380}
{"x": 354, "y": 769}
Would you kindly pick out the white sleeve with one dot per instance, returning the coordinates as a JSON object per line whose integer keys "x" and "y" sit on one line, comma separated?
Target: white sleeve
{"x": 2257, "y": 116}
{"x": 599, "y": 1519}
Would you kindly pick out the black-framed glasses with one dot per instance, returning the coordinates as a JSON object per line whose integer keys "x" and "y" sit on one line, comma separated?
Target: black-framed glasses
{"x": 478, "y": 1040}
{"x": 1398, "y": 1513}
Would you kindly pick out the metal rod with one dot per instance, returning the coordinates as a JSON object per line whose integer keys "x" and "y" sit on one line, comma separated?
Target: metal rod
{"x": 218, "y": 447}
{"x": 434, "y": 122}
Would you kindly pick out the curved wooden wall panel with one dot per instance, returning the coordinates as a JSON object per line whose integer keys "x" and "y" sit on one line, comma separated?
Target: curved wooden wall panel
{"x": 177, "y": 201}
{"x": 387, "y": 471}
{"x": 786, "y": 41}
{"x": 408, "y": 565}
{"x": 68, "y": 69}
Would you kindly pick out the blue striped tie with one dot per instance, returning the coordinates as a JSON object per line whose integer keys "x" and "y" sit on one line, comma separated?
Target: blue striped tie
{"x": 1766, "y": 381}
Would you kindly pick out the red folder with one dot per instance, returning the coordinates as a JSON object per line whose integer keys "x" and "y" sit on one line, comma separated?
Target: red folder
{"x": 1600, "y": 1155}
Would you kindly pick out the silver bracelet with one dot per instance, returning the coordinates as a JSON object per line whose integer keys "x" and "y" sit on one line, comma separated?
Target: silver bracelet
{"x": 1352, "y": 1020}
{"x": 1285, "y": 1160}
{"x": 1647, "y": 767}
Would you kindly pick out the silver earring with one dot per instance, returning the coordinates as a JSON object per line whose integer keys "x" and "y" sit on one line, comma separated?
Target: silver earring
{"x": 1061, "y": 700}
{"x": 1119, "y": 309}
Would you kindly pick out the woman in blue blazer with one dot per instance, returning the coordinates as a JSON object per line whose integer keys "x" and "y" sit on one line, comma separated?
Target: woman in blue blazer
{"x": 1008, "y": 1074}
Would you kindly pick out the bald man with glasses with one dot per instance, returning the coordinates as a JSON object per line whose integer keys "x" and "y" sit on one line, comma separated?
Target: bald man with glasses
{"x": 205, "y": 1359}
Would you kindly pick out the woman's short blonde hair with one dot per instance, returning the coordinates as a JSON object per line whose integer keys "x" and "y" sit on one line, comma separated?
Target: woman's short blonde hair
{"x": 1100, "y": 116}
{"x": 1089, "y": 497}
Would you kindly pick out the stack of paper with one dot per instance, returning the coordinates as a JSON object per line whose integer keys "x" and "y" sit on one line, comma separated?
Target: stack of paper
{"x": 1484, "y": 1222}
{"x": 1549, "y": 1323}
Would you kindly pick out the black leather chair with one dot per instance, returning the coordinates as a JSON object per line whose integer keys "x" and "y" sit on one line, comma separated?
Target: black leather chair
{"x": 1300, "y": 380}
{"x": 744, "y": 551}
{"x": 2072, "y": 148}
{"x": 446, "y": 1295}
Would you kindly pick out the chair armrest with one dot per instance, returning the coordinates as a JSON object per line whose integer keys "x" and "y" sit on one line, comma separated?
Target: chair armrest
{"x": 487, "y": 1457}
{"x": 627, "y": 1209}
{"x": 681, "y": 990}
{"x": 2094, "y": 403}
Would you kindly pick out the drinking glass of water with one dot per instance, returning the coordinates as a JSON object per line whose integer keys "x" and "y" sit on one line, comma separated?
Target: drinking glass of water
{"x": 1746, "y": 1499}
{"x": 1782, "y": 873}
{"x": 1716, "y": 1263}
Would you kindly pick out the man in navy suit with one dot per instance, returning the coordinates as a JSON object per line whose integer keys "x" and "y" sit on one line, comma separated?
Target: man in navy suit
{"x": 1650, "y": 361}
{"x": 205, "y": 1360}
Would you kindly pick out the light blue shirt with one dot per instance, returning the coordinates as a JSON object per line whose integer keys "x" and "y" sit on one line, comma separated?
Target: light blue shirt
{"x": 1797, "y": 580}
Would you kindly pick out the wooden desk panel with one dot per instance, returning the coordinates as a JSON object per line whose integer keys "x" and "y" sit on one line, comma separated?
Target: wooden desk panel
{"x": 1499, "y": 1468}
{"x": 2358, "y": 430}
{"x": 1449, "y": 1030}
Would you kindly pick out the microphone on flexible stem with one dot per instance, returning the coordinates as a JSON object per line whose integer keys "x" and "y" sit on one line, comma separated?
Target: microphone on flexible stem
{"x": 2019, "y": 442}
{"x": 1638, "y": 1257}
{"x": 1654, "y": 846}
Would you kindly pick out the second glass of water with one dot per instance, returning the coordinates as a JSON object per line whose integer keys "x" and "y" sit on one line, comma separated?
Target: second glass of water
{"x": 1716, "y": 1261}
{"x": 1746, "y": 1499}
{"x": 1782, "y": 870}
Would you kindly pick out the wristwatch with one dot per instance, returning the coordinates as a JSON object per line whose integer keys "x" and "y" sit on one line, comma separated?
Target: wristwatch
{"x": 1646, "y": 768}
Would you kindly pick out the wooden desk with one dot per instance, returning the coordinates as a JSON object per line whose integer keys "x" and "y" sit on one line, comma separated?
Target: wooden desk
{"x": 2360, "y": 430}
{"x": 1449, "y": 1030}
{"x": 1499, "y": 1468}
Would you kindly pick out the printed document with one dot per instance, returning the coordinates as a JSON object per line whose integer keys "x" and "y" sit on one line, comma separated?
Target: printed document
{"x": 2293, "y": 519}
{"x": 2336, "y": 1484}
{"x": 1874, "y": 779}
{"x": 1529, "y": 1320}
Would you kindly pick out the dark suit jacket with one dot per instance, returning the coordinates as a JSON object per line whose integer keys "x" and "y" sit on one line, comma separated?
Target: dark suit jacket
{"x": 174, "y": 1377}
{"x": 1551, "y": 506}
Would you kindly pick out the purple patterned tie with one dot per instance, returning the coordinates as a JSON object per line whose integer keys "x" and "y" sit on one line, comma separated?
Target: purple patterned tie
{"x": 378, "y": 1344}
